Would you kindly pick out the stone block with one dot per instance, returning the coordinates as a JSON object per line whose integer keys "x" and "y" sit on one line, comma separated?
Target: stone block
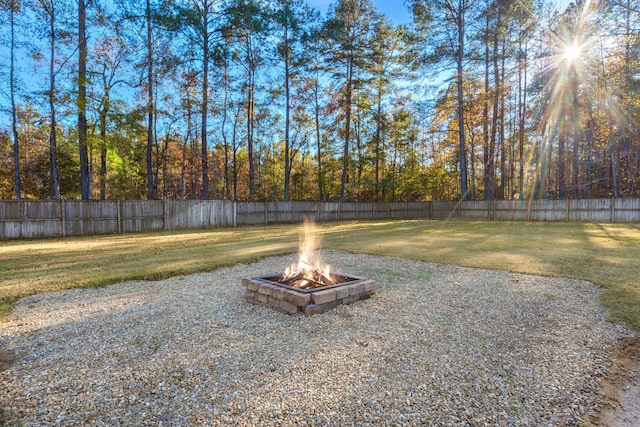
{"x": 323, "y": 297}
{"x": 250, "y": 284}
{"x": 370, "y": 286}
{"x": 262, "y": 298}
{"x": 297, "y": 298}
{"x": 319, "y": 308}
{"x": 351, "y": 299}
{"x": 274, "y": 302}
{"x": 265, "y": 289}
{"x": 342, "y": 292}
{"x": 356, "y": 289}
{"x": 278, "y": 293}
{"x": 288, "y": 307}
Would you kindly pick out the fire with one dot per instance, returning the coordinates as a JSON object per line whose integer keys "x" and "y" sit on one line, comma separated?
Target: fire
{"x": 310, "y": 271}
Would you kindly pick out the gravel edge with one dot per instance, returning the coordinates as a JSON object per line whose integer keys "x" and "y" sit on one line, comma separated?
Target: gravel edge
{"x": 437, "y": 345}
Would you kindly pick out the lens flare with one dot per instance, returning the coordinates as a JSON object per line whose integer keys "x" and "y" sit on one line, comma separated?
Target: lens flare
{"x": 572, "y": 52}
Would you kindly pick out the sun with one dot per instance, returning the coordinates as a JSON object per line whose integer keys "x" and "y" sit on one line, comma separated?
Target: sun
{"x": 572, "y": 52}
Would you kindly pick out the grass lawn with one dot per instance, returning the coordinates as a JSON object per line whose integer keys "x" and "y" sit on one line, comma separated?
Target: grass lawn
{"x": 606, "y": 254}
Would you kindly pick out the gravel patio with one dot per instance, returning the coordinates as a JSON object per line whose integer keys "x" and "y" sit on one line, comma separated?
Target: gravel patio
{"x": 436, "y": 345}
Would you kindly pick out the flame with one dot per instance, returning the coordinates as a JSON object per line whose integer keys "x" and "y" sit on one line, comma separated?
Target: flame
{"x": 310, "y": 270}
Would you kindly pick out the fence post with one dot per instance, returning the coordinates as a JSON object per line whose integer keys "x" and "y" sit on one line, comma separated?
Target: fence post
{"x": 63, "y": 219}
{"x": 164, "y": 215}
{"x": 119, "y": 209}
{"x": 235, "y": 214}
{"x": 613, "y": 210}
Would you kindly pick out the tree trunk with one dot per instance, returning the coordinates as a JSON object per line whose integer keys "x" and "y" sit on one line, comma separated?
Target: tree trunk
{"x": 14, "y": 113}
{"x": 151, "y": 193}
{"x": 205, "y": 100}
{"x": 460, "y": 56}
{"x": 486, "y": 177}
{"x": 250, "y": 113}
{"x": 183, "y": 164}
{"x": 347, "y": 130}
{"x": 378, "y": 141}
{"x": 85, "y": 177}
{"x": 318, "y": 138}
{"x": 490, "y": 189}
{"x": 53, "y": 150}
{"x": 575, "y": 117}
{"x": 103, "y": 141}
{"x": 234, "y": 145}
{"x": 287, "y": 162}
{"x": 503, "y": 147}
{"x": 522, "y": 94}
{"x": 225, "y": 142}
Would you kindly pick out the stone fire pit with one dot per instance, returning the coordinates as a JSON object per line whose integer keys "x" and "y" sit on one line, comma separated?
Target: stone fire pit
{"x": 270, "y": 292}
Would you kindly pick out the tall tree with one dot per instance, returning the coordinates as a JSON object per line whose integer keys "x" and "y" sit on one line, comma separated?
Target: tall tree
{"x": 446, "y": 22}
{"x": 138, "y": 23}
{"x": 150, "y": 58}
{"x": 49, "y": 10}
{"x": 200, "y": 21}
{"x": 292, "y": 19}
{"x": 389, "y": 51}
{"x": 13, "y": 7}
{"x": 107, "y": 57}
{"x": 246, "y": 27}
{"x": 348, "y": 33}
{"x": 81, "y": 103}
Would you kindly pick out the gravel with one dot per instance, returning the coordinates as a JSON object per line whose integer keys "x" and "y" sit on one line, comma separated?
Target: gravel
{"x": 437, "y": 345}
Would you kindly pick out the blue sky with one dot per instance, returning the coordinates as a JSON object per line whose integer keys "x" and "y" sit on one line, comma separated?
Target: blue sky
{"x": 396, "y": 10}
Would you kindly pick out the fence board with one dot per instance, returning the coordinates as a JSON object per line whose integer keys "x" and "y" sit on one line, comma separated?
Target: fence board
{"x": 41, "y": 218}
{"x": 328, "y": 211}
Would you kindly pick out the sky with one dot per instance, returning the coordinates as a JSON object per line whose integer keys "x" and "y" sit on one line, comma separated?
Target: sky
{"x": 396, "y": 10}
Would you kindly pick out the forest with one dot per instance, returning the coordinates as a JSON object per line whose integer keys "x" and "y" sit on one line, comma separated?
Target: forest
{"x": 273, "y": 100}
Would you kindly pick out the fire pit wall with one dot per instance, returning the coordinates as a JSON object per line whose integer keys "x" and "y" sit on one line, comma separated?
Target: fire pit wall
{"x": 291, "y": 301}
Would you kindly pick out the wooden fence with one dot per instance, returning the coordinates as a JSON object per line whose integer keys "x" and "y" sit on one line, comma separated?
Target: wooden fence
{"x": 39, "y": 218}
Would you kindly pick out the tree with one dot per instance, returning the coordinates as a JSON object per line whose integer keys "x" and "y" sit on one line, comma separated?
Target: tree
{"x": 445, "y": 21}
{"x": 108, "y": 56}
{"x": 246, "y": 26}
{"x": 149, "y": 44}
{"x": 347, "y": 34}
{"x": 389, "y": 50}
{"x": 49, "y": 10}
{"x": 292, "y": 19}
{"x": 13, "y": 7}
{"x": 81, "y": 103}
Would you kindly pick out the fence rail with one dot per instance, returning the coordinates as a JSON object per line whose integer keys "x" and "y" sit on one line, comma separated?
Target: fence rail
{"x": 21, "y": 219}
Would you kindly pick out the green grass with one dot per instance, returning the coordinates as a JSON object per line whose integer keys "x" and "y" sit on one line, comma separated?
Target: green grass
{"x": 606, "y": 254}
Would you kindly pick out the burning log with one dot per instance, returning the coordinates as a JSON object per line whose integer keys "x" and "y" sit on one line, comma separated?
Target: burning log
{"x": 309, "y": 272}
{"x": 306, "y": 280}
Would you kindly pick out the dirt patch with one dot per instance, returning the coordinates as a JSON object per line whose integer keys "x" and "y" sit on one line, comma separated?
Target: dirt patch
{"x": 621, "y": 387}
